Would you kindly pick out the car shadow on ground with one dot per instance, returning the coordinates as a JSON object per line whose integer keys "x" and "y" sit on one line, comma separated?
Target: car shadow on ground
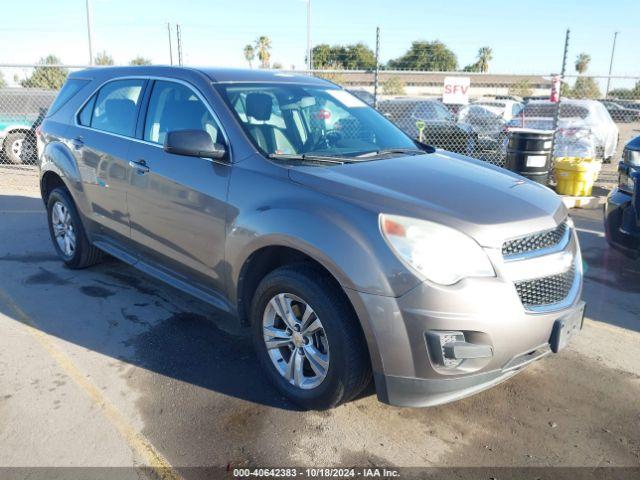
{"x": 159, "y": 330}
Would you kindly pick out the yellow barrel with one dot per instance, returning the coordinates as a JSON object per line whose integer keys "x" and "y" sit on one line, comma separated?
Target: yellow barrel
{"x": 575, "y": 176}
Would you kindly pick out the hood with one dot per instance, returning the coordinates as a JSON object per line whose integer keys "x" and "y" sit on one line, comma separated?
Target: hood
{"x": 486, "y": 202}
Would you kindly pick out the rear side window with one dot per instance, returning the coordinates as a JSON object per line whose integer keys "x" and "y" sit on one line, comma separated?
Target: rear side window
{"x": 113, "y": 109}
{"x": 87, "y": 112}
{"x": 68, "y": 90}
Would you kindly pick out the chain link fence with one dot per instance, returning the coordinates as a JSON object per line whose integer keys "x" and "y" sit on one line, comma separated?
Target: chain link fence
{"x": 26, "y": 92}
{"x": 467, "y": 113}
{"x": 594, "y": 118}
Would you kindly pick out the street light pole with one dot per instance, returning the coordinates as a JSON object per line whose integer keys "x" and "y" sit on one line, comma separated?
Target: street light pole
{"x": 613, "y": 50}
{"x": 309, "y": 49}
{"x": 89, "y": 31}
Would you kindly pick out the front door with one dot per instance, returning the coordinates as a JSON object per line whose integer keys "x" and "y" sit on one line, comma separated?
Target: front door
{"x": 177, "y": 204}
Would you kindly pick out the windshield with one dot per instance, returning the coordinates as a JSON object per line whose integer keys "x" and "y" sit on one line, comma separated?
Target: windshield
{"x": 284, "y": 119}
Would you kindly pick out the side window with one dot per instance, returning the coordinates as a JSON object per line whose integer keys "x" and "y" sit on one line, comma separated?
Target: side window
{"x": 84, "y": 118}
{"x": 424, "y": 111}
{"x": 516, "y": 109}
{"x": 442, "y": 112}
{"x": 174, "y": 106}
{"x": 114, "y": 108}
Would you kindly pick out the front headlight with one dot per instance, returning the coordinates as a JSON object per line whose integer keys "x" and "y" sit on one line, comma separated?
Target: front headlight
{"x": 438, "y": 253}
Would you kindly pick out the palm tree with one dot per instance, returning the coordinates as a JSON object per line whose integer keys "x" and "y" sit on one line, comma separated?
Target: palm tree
{"x": 263, "y": 46}
{"x": 582, "y": 62}
{"x": 485, "y": 55}
{"x": 249, "y": 54}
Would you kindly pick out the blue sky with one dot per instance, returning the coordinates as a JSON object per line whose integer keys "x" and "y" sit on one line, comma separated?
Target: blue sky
{"x": 526, "y": 36}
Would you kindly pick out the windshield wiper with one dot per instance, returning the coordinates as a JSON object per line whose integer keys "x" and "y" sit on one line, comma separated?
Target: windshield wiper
{"x": 383, "y": 151}
{"x": 308, "y": 157}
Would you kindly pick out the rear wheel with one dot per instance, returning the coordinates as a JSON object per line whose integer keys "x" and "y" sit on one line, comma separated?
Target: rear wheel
{"x": 308, "y": 339}
{"x": 68, "y": 235}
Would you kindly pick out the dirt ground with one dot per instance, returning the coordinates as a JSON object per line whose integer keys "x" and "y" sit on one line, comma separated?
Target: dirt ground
{"x": 107, "y": 367}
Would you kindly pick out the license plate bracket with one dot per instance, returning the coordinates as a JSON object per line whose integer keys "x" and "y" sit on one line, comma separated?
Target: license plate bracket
{"x": 565, "y": 328}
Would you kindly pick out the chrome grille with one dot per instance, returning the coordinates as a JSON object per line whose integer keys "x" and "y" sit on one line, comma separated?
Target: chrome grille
{"x": 536, "y": 241}
{"x": 546, "y": 290}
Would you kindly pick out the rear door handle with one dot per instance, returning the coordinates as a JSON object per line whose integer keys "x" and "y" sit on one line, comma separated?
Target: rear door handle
{"x": 77, "y": 143}
{"x": 140, "y": 166}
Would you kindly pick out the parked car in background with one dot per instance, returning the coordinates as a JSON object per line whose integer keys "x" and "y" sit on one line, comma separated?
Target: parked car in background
{"x": 622, "y": 210}
{"x": 431, "y": 122}
{"x": 619, "y": 113}
{"x": 365, "y": 96}
{"x": 507, "y": 109}
{"x": 630, "y": 104}
{"x": 21, "y": 111}
{"x": 488, "y": 125}
{"x": 348, "y": 258}
{"x": 585, "y": 128}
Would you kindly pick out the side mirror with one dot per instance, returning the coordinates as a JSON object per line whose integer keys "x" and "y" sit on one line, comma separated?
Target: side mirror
{"x": 193, "y": 143}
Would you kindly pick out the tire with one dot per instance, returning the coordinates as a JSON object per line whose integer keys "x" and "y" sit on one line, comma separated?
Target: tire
{"x": 340, "y": 339}
{"x": 63, "y": 215}
{"x": 18, "y": 148}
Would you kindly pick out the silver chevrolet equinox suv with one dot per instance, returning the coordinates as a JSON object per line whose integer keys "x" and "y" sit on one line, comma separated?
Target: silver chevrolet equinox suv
{"x": 350, "y": 251}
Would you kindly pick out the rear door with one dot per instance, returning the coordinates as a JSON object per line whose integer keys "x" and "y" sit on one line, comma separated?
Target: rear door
{"x": 101, "y": 143}
{"x": 178, "y": 203}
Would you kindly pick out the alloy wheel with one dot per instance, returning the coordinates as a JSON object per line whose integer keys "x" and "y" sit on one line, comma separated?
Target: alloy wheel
{"x": 63, "y": 229}
{"x": 296, "y": 341}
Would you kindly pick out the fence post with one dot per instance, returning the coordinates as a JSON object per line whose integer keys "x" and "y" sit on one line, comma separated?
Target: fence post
{"x": 375, "y": 80}
{"x": 556, "y": 114}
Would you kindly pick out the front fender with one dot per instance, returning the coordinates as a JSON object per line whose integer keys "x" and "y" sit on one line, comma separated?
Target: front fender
{"x": 343, "y": 238}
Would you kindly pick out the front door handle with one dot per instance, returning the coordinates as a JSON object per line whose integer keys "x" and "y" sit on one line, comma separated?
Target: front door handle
{"x": 140, "y": 166}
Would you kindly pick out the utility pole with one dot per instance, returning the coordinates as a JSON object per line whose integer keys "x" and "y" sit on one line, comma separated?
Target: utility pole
{"x": 613, "y": 50}
{"x": 88, "y": 3}
{"x": 377, "y": 71}
{"x": 170, "y": 49}
{"x": 309, "y": 49}
{"x": 179, "y": 43}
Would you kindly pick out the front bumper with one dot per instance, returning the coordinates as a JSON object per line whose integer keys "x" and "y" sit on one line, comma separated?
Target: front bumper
{"x": 487, "y": 310}
{"x": 619, "y": 221}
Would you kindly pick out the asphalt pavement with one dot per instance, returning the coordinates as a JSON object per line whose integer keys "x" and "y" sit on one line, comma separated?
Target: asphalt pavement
{"x": 106, "y": 367}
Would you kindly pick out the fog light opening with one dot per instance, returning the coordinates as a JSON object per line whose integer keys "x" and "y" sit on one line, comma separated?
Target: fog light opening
{"x": 438, "y": 341}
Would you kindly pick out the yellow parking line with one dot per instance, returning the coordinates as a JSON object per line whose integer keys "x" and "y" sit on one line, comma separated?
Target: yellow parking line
{"x": 159, "y": 465}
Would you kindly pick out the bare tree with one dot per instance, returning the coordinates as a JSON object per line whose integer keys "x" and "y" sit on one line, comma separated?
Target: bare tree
{"x": 139, "y": 60}
{"x": 103, "y": 58}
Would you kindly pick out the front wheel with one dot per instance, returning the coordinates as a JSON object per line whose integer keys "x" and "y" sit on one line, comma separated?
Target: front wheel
{"x": 307, "y": 338}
